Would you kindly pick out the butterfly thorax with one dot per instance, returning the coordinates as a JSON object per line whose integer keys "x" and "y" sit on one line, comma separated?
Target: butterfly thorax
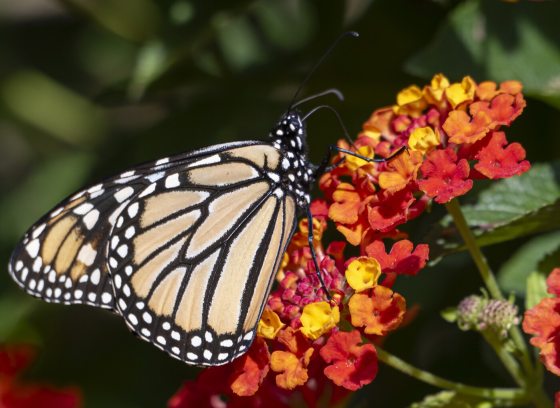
{"x": 288, "y": 136}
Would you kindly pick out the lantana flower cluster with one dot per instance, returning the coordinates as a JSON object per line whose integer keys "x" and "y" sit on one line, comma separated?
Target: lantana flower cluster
{"x": 323, "y": 345}
{"x": 14, "y": 393}
{"x": 453, "y": 135}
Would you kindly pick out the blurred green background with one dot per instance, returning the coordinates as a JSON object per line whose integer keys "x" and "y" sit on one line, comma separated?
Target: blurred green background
{"x": 91, "y": 87}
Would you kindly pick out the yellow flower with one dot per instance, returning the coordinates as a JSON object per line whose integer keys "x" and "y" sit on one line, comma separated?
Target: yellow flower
{"x": 434, "y": 92}
{"x": 410, "y": 101}
{"x": 269, "y": 325}
{"x": 461, "y": 92}
{"x": 363, "y": 273}
{"x": 318, "y": 318}
{"x": 353, "y": 163}
{"x": 423, "y": 139}
{"x": 409, "y": 95}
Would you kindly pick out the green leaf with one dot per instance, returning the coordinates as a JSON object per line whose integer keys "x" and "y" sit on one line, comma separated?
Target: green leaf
{"x": 450, "y": 399}
{"x": 47, "y": 105}
{"x": 499, "y": 41}
{"x": 135, "y": 20}
{"x": 536, "y": 289}
{"x": 527, "y": 259}
{"x": 508, "y": 209}
{"x": 550, "y": 261}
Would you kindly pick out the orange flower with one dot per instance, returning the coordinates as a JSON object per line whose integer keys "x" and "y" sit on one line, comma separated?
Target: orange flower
{"x": 292, "y": 364}
{"x": 293, "y": 370}
{"x": 347, "y": 204}
{"x": 380, "y": 313}
{"x": 401, "y": 170}
{"x": 251, "y": 369}
{"x": 461, "y": 128}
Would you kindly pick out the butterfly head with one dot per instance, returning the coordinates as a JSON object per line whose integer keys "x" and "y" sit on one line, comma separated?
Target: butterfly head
{"x": 289, "y": 133}
{"x": 289, "y": 137}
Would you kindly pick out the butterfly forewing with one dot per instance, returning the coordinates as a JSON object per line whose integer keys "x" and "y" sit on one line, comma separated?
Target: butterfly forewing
{"x": 63, "y": 257}
{"x": 193, "y": 256}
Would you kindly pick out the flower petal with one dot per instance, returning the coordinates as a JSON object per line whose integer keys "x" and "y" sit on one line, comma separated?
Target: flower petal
{"x": 318, "y": 318}
{"x": 362, "y": 273}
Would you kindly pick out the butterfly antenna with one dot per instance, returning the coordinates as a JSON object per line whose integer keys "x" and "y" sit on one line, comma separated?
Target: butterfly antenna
{"x": 340, "y": 122}
{"x": 330, "y": 91}
{"x": 318, "y": 63}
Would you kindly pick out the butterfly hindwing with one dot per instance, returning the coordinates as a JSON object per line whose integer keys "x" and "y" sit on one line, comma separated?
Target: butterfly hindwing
{"x": 61, "y": 258}
{"x": 193, "y": 255}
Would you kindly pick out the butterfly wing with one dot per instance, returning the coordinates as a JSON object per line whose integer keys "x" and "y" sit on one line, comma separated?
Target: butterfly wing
{"x": 63, "y": 257}
{"x": 193, "y": 256}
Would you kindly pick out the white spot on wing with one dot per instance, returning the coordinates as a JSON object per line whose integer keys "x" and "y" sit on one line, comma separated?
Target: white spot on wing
{"x": 95, "y": 277}
{"x": 90, "y": 219}
{"x": 133, "y": 210}
{"x": 87, "y": 255}
{"x": 226, "y": 343}
{"x": 208, "y": 160}
{"x": 37, "y": 231}
{"x": 95, "y": 188}
{"x": 172, "y": 181}
{"x": 83, "y": 209}
{"x": 123, "y": 194}
{"x": 155, "y": 177}
{"x": 33, "y": 248}
{"x": 148, "y": 190}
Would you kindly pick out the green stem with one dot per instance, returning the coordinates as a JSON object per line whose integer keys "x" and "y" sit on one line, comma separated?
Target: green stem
{"x": 507, "y": 359}
{"x": 490, "y": 282}
{"x": 515, "y": 396}
{"x": 454, "y": 209}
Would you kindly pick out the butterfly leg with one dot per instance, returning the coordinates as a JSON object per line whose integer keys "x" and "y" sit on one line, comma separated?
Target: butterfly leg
{"x": 324, "y": 167}
{"x": 313, "y": 254}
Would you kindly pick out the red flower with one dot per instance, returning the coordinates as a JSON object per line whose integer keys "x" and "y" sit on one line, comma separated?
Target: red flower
{"x": 444, "y": 177}
{"x": 503, "y": 109}
{"x": 352, "y": 365}
{"x": 379, "y": 313}
{"x": 543, "y": 321}
{"x": 390, "y": 210}
{"x": 496, "y": 162}
{"x": 251, "y": 369}
{"x": 13, "y": 394}
{"x": 402, "y": 259}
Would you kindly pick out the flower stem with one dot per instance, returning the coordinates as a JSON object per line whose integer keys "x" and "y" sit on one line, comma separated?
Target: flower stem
{"x": 488, "y": 277}
{"x": 507, "y": 359}
{"x": 454, "y": 209}
{"x": 513, "y": 396}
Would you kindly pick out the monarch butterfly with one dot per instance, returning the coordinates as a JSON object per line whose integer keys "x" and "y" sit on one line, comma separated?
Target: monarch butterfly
{"x": 185, "y": 248}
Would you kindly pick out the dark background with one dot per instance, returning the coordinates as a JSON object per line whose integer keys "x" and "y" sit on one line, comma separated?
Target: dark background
{"x": 90, "y": 88}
